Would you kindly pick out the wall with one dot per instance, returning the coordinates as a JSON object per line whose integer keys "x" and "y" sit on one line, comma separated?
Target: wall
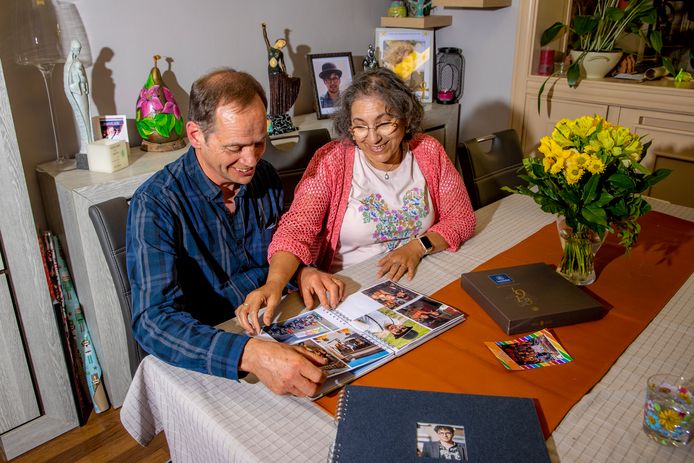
{"x": 487, "y": 38}
{"x": 193, "y": 38}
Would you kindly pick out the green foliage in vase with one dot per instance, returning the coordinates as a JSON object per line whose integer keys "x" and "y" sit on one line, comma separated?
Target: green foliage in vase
{"x": 590, "y": 173}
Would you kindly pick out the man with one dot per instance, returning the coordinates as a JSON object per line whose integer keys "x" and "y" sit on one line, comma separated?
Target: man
{"x": 445, "y": 448}
{"x": 197, "y": 240}
{"x": 331, "y": 76}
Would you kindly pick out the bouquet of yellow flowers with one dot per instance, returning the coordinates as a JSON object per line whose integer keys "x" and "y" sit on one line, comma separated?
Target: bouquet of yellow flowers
{"x": 590, "y": 174}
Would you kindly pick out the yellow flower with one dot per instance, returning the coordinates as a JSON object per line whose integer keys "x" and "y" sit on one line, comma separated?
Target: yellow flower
{"x": 634, "y": 150}
{"x": 548, "y": 162}
{"x": 595, "y": 165}
{"x": 573, "y": 174}
{"x": 669, "y": 419}
{"x": 557, "y": 166}
{"x": 579, "y": 159}
{"x": 585, "y": 126}
{"x": 562, "y": 133}
{"x": 545, "y": 146}
{"x": 606, "y": 140}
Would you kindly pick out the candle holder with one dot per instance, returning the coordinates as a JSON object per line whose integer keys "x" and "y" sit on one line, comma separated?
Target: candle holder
{"x": 450, "y": 67}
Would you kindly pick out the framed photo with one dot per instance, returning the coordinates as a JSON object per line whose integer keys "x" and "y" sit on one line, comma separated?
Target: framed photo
{"x": 330, "y": 74}
{"x": 410, "y": 54}
{"x": 110, "y": 127}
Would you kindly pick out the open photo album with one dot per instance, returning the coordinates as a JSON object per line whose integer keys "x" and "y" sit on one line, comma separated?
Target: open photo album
{"x": 368, "y": 329}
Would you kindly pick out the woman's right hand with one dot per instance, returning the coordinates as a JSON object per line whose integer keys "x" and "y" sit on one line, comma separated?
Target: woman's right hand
{"x": 329, "y": 289}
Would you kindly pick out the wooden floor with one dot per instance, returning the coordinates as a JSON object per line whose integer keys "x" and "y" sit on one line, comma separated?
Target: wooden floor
{"x": 102, "y": 440}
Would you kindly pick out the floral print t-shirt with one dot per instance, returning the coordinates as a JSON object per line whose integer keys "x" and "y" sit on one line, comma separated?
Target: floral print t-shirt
{"x": 382, "y": 213}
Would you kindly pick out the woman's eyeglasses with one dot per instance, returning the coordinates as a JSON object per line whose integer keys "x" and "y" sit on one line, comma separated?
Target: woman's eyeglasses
{"x": 384, "y": 129}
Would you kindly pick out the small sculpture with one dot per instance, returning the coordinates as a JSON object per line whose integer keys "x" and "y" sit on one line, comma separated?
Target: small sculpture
{"x": 284, "y": 89}
{"x": 160, "y": 124}
{"x": 370, "y": 61}
{"x": 77, "y": 92}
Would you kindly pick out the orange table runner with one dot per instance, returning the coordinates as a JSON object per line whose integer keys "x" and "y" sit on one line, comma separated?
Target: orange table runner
{"x": 633, "y": 287}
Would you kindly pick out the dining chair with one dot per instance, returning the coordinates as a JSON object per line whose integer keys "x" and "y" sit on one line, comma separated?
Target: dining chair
{"x": 291, "y": 162}
{"x": 488, "y": 163}
{"x": 110, "y": 219}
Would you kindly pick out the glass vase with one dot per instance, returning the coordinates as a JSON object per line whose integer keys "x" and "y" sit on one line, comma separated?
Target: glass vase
{"x": 578, "y": 258}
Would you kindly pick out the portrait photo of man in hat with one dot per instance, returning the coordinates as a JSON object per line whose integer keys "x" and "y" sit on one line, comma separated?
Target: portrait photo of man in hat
{"x": 331, "y": 76}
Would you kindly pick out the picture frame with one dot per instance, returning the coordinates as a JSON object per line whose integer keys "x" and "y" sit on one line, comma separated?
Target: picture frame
{"x": 113, "y": 127}
{"x": 330, "y": 74}
{"x": 410, "y": 54}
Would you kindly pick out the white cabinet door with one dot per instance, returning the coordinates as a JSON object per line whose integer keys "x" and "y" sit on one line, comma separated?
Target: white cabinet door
{"x": 17, "y": 398}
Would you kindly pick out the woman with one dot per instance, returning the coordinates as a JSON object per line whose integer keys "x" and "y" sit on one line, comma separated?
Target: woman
{"x": 382, "y": 187}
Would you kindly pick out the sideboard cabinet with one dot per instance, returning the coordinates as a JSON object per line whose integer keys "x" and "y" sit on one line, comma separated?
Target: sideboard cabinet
{"x": 658, "y": 110}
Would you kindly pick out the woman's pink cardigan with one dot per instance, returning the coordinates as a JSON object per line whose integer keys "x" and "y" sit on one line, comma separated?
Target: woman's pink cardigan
{"x": 310, "y": 229}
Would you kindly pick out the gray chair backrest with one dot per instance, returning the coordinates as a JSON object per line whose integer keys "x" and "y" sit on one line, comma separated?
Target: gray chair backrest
{"x": 110, "y": 219}
{"x": 488, "y": 163}
{"x": 291, "y": 163}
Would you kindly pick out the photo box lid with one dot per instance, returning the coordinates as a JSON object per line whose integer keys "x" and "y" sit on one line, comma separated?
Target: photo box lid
{"x": 530, "y": 297}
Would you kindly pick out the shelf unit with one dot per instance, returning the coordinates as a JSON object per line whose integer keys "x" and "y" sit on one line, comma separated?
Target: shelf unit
{"x": 473, "y": 3}
{"x": 417, "y": 22}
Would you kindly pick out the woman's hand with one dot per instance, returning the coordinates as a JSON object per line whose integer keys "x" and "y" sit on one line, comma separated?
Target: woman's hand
{"x": 329, "y": 289}
{"x": 401, "y": 261}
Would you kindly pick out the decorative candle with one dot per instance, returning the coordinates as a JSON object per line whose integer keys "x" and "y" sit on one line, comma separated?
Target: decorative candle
{"x": 107, "y": 155}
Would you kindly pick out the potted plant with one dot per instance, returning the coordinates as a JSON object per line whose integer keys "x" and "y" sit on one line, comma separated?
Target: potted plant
{"x": 598, "y": 32}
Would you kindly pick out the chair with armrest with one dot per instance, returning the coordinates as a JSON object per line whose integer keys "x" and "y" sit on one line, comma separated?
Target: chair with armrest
{"x": 488, "y": 163}
{"x": 292, "y": 162}
{"x": 110, "y": 219}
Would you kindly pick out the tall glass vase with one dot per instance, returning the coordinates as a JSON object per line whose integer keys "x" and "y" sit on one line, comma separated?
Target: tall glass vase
{"x": 579, "y": 248}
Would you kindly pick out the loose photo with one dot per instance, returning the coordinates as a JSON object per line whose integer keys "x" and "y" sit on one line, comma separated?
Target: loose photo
{"x": 352, "y": 348}
{"x": 333, "y": 365}
{"x": 298, "y": 328}
{"x": 536, "y": 350}
{"x": 441, "y": 441}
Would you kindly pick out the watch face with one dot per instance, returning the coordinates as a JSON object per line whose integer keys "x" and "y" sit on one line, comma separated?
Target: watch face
{"x": 426, "y": 242}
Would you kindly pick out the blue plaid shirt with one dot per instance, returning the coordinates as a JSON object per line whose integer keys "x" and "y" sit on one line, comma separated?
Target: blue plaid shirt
{"x": 191, "y": 262}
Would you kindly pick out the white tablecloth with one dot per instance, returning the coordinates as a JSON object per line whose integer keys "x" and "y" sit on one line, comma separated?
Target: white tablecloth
{"x": 209, "y": 419}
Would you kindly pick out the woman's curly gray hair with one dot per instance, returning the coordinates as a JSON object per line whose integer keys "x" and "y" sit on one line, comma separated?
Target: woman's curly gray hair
{"x": 400, "y": 102}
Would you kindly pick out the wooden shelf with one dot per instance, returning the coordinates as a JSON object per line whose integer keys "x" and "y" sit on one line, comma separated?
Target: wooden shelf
{"x": 473, "y": 3}
{"x": 418, "y": 22}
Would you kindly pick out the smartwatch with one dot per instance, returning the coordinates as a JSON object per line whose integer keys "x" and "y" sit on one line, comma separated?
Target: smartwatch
{"x": 426, "y": 244}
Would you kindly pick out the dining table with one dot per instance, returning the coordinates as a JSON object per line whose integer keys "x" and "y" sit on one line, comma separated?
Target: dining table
{"x": 591, "y": 409}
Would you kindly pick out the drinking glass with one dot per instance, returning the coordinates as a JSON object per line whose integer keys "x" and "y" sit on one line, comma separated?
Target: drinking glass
{"x": 669, "y": 409}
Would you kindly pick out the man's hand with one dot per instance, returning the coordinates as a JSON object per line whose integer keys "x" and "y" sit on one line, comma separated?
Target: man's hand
{"x": 329, "y": 289}
{"x": 269, "y": 295}
{"x": 404, "y": 259}
{"x": 284, "y": 369}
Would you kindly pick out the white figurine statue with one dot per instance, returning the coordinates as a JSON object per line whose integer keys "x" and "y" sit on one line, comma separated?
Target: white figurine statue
{"x": 77, "y": 91}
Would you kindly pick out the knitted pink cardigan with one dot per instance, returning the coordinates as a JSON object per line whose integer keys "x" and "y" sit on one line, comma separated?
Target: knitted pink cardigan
{"x": 310, "y": 229}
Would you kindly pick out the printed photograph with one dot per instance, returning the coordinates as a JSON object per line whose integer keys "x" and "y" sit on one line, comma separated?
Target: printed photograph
{"x": 110, "y": 128}
{"x": 391, "y": 327}
{"x": 298, "y": 328}
{"x": 352, "y": 348}
{"x": 410, "y": 54}
{"x": 331, "y": 73}
{"x": 390, "y": 294}
{"x": 441, "y": 441}
{"x": 334, "y": 366}
{"x": 535, "y": 350}
{"x": 430, "y": 313}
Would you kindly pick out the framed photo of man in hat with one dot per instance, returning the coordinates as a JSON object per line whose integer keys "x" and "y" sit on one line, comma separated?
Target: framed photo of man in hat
{"x": 331, "y": 73}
